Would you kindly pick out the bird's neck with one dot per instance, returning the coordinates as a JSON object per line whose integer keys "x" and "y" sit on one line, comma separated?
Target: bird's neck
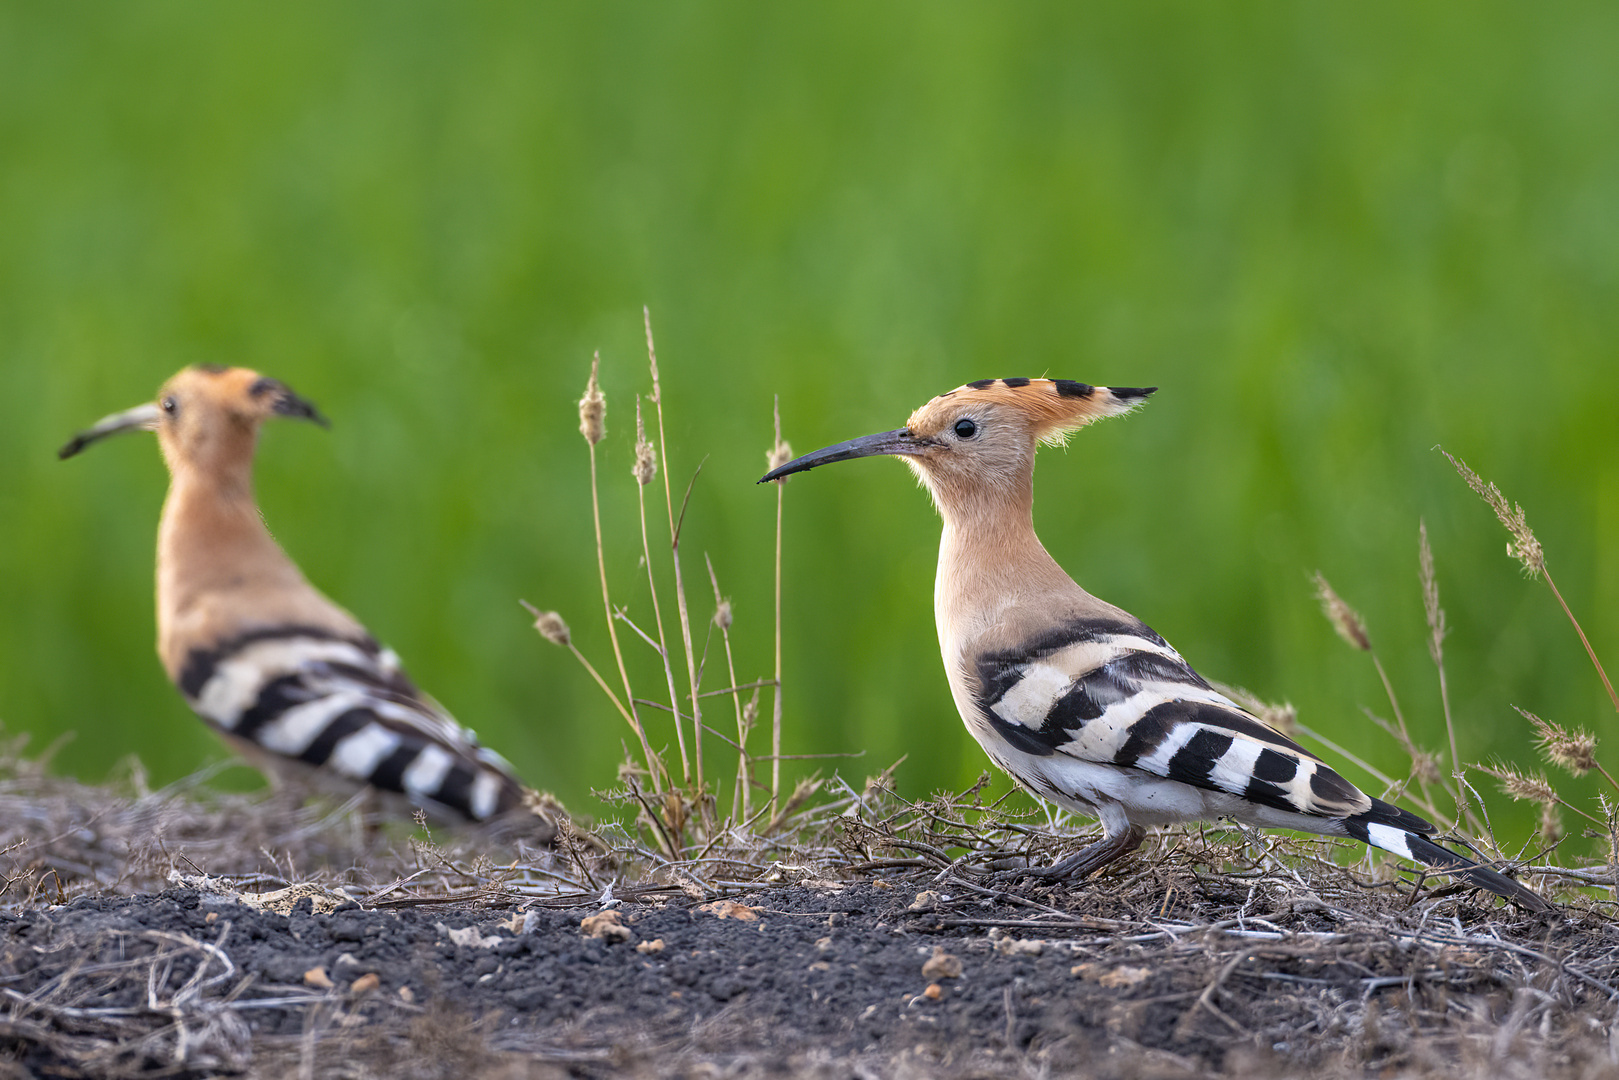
{"x": 993, "y": 570}
{"x": 212, "y": 541}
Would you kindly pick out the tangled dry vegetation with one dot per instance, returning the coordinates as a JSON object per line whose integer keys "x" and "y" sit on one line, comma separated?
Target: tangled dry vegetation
{"x": 1213, "y": 951}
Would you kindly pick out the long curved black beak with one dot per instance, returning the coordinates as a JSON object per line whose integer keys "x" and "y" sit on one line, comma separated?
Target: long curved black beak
{"x": 900, "y": 442}
{"x": 141, "y": 418}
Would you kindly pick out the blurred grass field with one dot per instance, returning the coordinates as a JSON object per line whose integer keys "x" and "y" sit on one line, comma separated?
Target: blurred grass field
{"x": 1335, "y": 236}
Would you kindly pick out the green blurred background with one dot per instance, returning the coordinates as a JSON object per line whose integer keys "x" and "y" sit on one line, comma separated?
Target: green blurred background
{"x": 1335, "y": 235}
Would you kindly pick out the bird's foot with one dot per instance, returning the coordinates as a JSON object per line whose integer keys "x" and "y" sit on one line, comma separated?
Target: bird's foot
{"x": 1081, "y": 864}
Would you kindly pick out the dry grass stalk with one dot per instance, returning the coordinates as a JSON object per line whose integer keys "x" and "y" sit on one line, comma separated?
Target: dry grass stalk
{"x": 1551, "y": 825}
{"x": 1352, "y": 628}
{"x": 1521, "y": 786}
{"x": 778, "y": 455}
{"x": 644, "y": 470}
{"x": 1436, "y": 652}
{"x": 1575, "y": 751}
{"x": 742, "y": 795}
{"x": 1525, "y": 548}
{"x": 674, "y": 555}
{"x": 592, "y": 416}
{"x": 1535, "y": 788}
{"x": 1343, "y": 618}
{"x": 1610, "y": 819}
{"x": 553, "y": 629}
{"x": 681, "y": 817}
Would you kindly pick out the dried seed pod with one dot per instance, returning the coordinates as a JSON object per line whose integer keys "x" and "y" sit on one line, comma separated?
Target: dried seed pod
{"x": 593, "y": 406}
{"x": 1344, "y": 618}
{"x": 1523, "y": 546}
{"x": 552, "y": 628}
{"x": 1551, "y": 823}
{"x": 1425, "y": 767}
{"x": 1525, "y": 787}
{"x": 646, "y": 455}
{"x": 1575, "y": 750}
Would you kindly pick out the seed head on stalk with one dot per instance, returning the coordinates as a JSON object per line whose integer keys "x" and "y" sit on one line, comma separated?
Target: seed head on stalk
{"x": 592, "y": 425}
{"x": 593, "y": 406}
{"x": 1527, "y": 550}
{"x": 645, "y": 468}
{"x": 1345, "y": 619}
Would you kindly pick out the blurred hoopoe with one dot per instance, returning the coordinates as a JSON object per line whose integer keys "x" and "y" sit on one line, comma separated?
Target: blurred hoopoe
{"x": 1081, "y": 702}
{"x": 287, "y": 678}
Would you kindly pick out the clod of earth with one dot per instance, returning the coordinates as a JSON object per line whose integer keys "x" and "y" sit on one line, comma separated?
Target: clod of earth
{"x": 941, "y": 965}
{"x": 1122, "y": 977}
{"x": 606, "y": 925}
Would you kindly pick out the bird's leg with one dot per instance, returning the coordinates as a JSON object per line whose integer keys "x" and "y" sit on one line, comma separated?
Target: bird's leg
{"x": 1086, "y": 861}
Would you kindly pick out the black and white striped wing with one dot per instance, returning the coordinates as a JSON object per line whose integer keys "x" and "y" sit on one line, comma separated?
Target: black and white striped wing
{"x": 343, "y": 705}
{"x": 1114, "y": 693}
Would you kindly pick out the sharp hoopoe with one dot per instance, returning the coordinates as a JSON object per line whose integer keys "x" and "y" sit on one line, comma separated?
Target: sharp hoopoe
{"x": 289, "y": 679}
{"x": 1081, "y": 702}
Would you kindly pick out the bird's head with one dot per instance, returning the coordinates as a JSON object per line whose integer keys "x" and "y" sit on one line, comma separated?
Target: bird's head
{"x": 206, "y": 416}
{"x": 978, "y": 440}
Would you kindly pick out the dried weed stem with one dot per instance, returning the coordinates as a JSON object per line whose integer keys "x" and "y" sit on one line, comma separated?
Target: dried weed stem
{"x": 674, "y": 555}
{"x": 1525, "y": 548}
{"x": 742, "y": 796}
{"x": 1437, "y": 630}
{"x": 644, "y": 470}
{"x": 592, "y": 425}
{"x": 780, "y": 454}
{"x": 1352, "y": 628}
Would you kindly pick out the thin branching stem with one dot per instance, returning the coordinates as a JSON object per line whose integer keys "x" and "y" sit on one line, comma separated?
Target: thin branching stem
{"x": 674, "y": 555}
{"x": 1436, "y": 651}
{"x": 657, "y": 618}
{"x": 1404, "y": 735}
{"x": 775, "y": 716}
{"x": 652, "y": 760}
{"x": 1613, "y": 697}
{"x": 742, "y": 797}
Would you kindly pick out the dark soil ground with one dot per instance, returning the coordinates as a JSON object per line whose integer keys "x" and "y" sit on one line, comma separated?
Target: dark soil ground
{"x": 893, "y": 969}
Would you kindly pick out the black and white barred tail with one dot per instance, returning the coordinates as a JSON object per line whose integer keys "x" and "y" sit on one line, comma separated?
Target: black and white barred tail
{"x": 1399, "y": 832}
{"x": 343, "y": 706}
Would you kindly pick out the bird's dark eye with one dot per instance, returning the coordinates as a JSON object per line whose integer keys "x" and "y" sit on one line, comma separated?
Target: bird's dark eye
{"x": 966, "y": 429}
{"x": 169, "y": 405}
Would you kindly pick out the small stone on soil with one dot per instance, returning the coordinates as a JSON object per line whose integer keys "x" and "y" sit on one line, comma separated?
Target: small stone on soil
{"x": 941, "y": 965}
{"x": 606, "y": 925}
{"x": 1011, "y": 946}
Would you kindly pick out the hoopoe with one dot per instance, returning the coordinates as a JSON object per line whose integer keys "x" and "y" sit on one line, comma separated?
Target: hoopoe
{"x": 1079, "y": 701}
{"x": 287, "y": 678}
